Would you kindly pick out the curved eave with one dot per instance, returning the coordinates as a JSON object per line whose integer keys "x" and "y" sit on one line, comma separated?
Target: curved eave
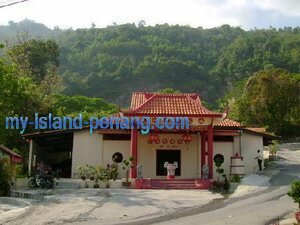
{"x": 172, "y": 115}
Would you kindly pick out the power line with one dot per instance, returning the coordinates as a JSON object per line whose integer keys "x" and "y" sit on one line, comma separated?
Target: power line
{"x": 5, "y": 2}
{"x": 13, "y": 3}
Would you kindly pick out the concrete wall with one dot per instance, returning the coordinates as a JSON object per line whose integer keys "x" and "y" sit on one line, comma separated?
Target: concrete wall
{"x": 250, "y": 144}
{"x": 226, "y": 149}
{"x": 112, "y": 146}
{"x": 237, "y": 144}
{"x": 190, "y": 157}
{"x": 87, "y": 149}
{"x": 91, "y": 149}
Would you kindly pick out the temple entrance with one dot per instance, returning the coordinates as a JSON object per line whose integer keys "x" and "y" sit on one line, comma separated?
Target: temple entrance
{"x": 170, "y": 156}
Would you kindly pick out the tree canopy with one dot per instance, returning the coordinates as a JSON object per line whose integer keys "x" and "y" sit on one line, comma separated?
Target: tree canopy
{"x": 253, "y": 72}
{"x": 270, "y": 98}
{"x": 112, "y": 62}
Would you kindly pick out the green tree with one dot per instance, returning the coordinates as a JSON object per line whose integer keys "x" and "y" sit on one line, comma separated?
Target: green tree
{"x": 168, "y": 90}
{"x": 34, "y": 58}
{"x": 268, "y": 99}
{"x": 73, "y": 105}
{"x": 23, "y": 95}
{"x": 37, "y": 60}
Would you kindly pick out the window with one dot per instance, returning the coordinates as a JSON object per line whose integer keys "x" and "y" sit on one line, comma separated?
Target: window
{"x": 120, "y": 137}
{"x": 223, "y": 138}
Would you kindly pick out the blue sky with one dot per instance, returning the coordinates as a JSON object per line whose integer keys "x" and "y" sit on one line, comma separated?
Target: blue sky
{"x": 247, "y": 14}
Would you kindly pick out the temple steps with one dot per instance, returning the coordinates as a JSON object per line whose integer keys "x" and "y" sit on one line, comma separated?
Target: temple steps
{"x": 174, "y": 184}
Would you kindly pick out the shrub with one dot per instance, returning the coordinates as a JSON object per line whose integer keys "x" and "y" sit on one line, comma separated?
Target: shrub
{"x": 83, "y": 171}
{"x": 219, "y": 160}
{"x": 217, "y": 185}
{"x": 127, "y": 165}
{"x": 236, "y": 178}
{"x": 226, "y": 186}
{"x": 294, "y": 192}
{"x": 7, "y": 175}
{"x": 274, "y": 147}
{"x": 222, "y": 183}
{"x": 114, "y": 171}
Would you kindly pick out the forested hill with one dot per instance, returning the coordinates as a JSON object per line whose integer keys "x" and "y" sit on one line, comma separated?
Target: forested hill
{"x": 114, "y": 61}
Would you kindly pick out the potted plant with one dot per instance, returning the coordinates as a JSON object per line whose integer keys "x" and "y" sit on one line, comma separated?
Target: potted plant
{"x": 91, "y": 172}
{"x": 107, "y": 182}
{"x": 114, "y": 171}
{"x": 96, "y": 185}
{"x": 127, "y": 165}
{"x": 82, "y": 171}
{"x": 98, "y": 175}
{"x": 105, "y": 176}
{"x": 294, "y": 193}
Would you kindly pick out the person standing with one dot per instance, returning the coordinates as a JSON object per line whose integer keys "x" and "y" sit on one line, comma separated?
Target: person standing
{"x": 259, "y": 159}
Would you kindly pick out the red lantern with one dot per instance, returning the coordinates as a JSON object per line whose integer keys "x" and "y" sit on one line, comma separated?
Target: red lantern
{"x": 153, "y": 137}
{"x": 187, "y": 138}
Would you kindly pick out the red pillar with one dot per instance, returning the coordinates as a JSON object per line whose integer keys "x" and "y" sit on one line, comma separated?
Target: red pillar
{"x": 203, "y": 152}
{"x": 133, "y": 152}
{"x": 210, "y": 150}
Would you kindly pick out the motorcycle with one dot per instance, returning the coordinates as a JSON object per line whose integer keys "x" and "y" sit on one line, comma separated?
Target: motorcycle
{"x": 43, "y": 177}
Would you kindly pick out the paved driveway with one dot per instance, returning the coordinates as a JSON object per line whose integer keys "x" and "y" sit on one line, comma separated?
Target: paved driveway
{"x": 108, "y": 206}
{"x": 255, "y": 209}
{"x": 166, "y": 207}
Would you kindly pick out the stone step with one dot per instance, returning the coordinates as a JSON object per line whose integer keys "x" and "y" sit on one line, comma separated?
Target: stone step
{"x": 35, "y": 194}
{"x": 175, "y": 187}
{"x": 175, "y": 184}
{"x": 172, "y": 182}
{"x": 68, "y": 183}
{"x": 168, "y": 184}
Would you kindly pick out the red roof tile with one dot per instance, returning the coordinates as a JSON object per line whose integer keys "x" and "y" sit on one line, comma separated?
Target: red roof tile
{"x": 229, "y": 123}
{"x": 181, "y": 104}
{"x": 257, "y": 129}
{"x": 113, "y": 131}
{"x": 14, "y": 156}
{"x": 226, "y": 133}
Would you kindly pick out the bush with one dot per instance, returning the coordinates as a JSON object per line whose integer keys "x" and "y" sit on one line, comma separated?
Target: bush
{"x": 127, "y": 165}
{"x": 226, "y": 186}
{"x": 221, "y": 184}
{"x": 236, "y": 178}
{"x": 7, "y": 175}
{"x": 83, "y": 171}
{"x": 217, "y": 185}
{"x": 294, "y": 192}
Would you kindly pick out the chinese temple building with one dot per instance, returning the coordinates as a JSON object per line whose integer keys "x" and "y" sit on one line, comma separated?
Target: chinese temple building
{"x": 209, "y": 133}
